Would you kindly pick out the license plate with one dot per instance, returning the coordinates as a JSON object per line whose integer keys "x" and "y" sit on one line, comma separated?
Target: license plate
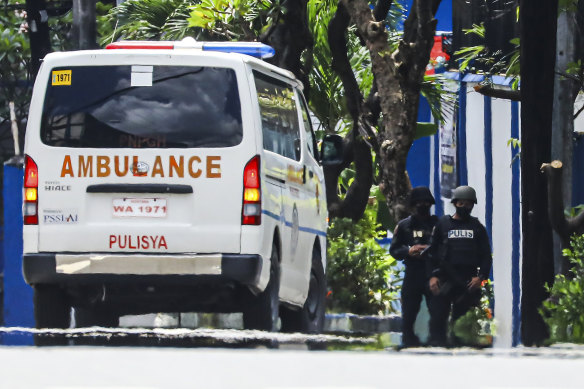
{"x": 139, "y": 207}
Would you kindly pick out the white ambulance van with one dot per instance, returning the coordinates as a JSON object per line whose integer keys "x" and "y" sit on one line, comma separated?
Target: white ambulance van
{"x": 173, "y": 177}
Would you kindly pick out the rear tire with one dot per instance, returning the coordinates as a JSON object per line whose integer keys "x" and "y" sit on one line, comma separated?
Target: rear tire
{"x": 95, "y": 316}
{"x": 262, "y": 311}
{"x": 51, "y": 310}
{"x": 309, "y": 319}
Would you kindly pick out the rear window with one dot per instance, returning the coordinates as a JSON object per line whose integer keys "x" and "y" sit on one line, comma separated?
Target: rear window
{"x": 142, "y": 107}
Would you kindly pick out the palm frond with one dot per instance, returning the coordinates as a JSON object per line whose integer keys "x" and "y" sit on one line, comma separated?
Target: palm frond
{"x": 440, "y": 99}
{"x": 150, "y": 19}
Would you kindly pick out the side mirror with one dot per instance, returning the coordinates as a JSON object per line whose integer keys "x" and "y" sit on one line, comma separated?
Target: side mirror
{"x": 332, "y": 150}
{"x": 297, "y": 148}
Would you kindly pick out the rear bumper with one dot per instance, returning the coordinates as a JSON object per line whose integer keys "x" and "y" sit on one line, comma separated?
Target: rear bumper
{"x": 71, "y": 269}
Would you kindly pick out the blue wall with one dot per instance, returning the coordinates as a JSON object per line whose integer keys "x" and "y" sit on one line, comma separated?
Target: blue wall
{"x": 418, "y": 163}
{"x": 444, "y": 14}
{"x": 18, "y": 307}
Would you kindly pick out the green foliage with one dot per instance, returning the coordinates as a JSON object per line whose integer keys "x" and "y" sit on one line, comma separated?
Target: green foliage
{"x": 476, "y": 29}
{"x": 14, "y": 64}
{"x": 327, "y": 99}
{"x": 15, "y": 77}
{"x": 574, "y": 211}
{"x": 497, "y": 62}
{"x": 235, "y": 19}
{"x": 567, "y": 6}
{"x": 425, "y": 129}
{"x": 14, "y": 50}
{"x": 563, "y": 311}
{"x": 438, "y": 97}
{"x": 477, "y": 327}
{"x": 104, "y": 26}
{"x": 468, "y": 54}
{"x": 574, "y": 68}
{"x": 346, "y": 178}
{"x": 515, "y": 144}
{"x": 149, "y": 20}
{"x": 513, "y": 68}
{"x": 362, "y": 276}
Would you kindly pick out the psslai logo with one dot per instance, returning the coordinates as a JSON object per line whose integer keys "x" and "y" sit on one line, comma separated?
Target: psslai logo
{"x": 60, "y": 216}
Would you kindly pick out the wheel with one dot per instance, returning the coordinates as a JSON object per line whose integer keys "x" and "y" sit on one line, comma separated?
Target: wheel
{"x": 51, "y": 307}
{"x": 262, "y": 312}
{"x": 51, "y": 310}
{"x": 309, "y": 319}
{"x": 95, "y": 316}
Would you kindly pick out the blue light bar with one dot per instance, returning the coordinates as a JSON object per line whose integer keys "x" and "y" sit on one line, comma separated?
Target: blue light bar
{"x": 255, "y": 49}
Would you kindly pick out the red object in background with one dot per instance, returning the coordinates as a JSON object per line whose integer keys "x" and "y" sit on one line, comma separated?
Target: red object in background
{"x": 436, "y": 52}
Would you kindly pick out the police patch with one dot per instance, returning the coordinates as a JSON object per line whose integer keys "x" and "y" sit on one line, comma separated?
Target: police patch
{"x": 455, "y": 234}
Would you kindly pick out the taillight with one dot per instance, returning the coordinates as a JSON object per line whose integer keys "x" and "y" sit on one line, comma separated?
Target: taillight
{"x": 31, "y": 186}
{"x": 251, "y": 213}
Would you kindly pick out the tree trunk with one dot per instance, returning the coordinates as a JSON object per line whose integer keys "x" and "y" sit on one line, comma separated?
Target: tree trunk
{"x": 563, "y": 118}
{"x": 355, "y": 149}
{"x": 290, "y": 38}
{"x": 38, "y": 30}
{"x": 564, "y": 226}
{"x": 537, "y": 81}
{"x": 398, "y": 78}
{"x": 84, "y": 29}
{"x": 355, "y": 201}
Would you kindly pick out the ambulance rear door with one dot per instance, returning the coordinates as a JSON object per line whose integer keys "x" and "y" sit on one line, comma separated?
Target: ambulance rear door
{"x": 142, "y": 155}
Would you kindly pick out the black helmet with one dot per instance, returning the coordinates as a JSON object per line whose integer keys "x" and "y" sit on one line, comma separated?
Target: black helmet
{"x": 464, "y": 193}
{"x": 421, "y": 193}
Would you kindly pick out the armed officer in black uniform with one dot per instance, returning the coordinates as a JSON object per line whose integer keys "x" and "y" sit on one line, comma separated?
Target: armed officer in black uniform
{"x": 410, "y": 238}
{"x": 460, "y": 259}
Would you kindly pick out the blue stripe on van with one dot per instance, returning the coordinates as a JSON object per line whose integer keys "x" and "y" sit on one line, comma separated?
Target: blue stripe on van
{"x": 289, "y": 224}
{"x": 271, "y": 214}
{"x": 312, "y": 231}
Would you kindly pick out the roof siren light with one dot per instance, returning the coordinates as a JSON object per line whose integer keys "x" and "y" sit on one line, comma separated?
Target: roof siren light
{"x": 254, "y": 49}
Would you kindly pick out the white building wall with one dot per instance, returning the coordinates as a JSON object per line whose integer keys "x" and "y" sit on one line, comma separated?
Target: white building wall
{"x": 475, "y": 149}
{"x": 502, "y": 226}
{"x": 503, "y": 197}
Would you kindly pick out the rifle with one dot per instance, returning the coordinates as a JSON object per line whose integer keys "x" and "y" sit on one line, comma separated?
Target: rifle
{"x": 452, "y": 277}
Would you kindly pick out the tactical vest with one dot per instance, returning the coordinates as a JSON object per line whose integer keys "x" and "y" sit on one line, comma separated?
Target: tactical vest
{"x": 419, "y": 233}
{"x": 459, "y": 241}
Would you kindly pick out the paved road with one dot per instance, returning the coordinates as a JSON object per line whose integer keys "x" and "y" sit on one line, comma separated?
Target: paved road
{"x": 157, "y": 368}
{"x": 256, "y": 359}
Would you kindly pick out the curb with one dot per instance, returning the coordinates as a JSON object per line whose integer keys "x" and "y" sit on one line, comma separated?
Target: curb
{"x": 366, "y": 325}
{"x": 339, "y": 323}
